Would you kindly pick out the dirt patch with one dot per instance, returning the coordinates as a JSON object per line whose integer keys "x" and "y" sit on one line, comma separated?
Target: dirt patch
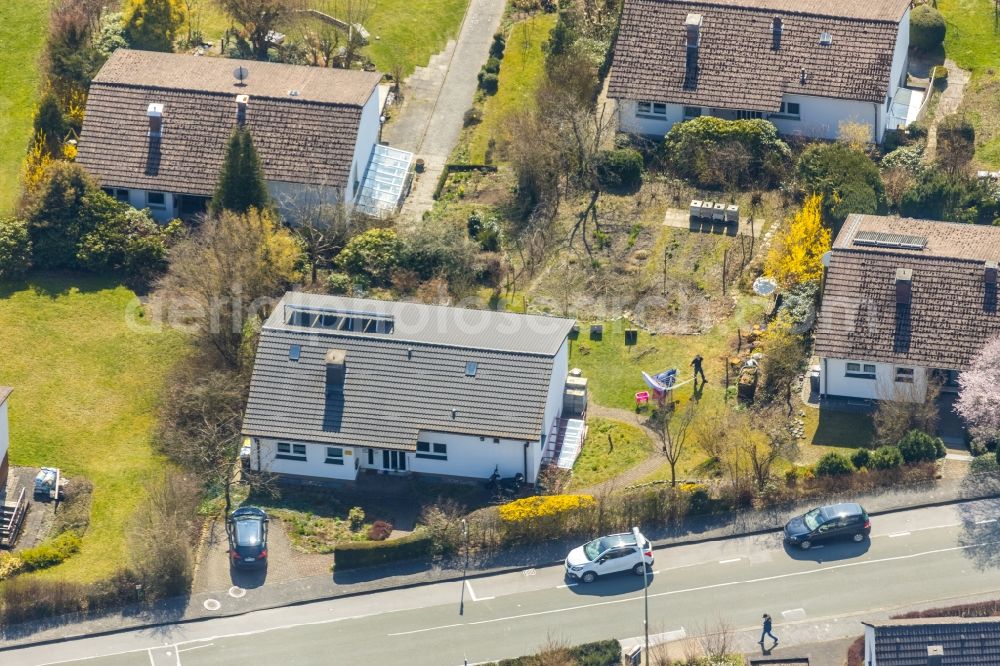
{"x": 37, "y": 526}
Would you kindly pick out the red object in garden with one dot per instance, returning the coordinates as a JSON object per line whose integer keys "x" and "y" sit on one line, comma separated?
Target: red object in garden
{"x": 641, "y": 399}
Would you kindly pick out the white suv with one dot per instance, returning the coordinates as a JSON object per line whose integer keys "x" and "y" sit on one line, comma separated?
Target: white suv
{"x": 609, "y": 554}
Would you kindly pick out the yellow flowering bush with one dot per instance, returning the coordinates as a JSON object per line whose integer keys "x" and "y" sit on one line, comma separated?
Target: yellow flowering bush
{"x": 542, "y": 506}
{"x": 10, "y": 565}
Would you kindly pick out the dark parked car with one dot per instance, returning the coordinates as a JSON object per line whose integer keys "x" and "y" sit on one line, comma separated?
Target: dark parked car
{"x": 247, "y": 528}
{"x": 828, "y": 522}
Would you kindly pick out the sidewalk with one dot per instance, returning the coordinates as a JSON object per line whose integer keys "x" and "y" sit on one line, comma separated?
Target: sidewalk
{"x": 237, "y": 601}
{"x": 436, "y": 98}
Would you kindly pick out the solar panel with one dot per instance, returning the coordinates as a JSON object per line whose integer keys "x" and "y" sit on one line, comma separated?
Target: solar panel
{"x": 887, "y": 240}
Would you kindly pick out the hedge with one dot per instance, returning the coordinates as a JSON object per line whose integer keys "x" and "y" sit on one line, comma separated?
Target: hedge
{"x": 355, "y": 554}
{"x": 599, "y": 653}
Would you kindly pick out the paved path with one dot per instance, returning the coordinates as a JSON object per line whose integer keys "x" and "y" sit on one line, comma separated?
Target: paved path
{"x": 436, "y": 98}
{"x": 951, "y": 99}
{"x": 915, "y": 559}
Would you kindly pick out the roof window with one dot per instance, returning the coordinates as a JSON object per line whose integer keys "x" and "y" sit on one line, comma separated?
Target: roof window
{"x": 470, "y": 368}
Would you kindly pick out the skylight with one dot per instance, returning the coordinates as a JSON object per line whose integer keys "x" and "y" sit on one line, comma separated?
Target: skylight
{"x": 294, "y": 352}
{"x": 825, "y": 38}
{"x": 470, "y": 368}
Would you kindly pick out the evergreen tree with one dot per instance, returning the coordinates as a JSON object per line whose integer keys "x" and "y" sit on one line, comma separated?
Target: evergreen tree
{"x": 51, "y": 124}
{"x": 241, "y": 181}
{"x": 153, "y": 24}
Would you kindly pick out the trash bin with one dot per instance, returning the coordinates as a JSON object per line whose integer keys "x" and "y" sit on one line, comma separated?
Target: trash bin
{"x": 633, "y": 657}
{"x": 814, "y": 381}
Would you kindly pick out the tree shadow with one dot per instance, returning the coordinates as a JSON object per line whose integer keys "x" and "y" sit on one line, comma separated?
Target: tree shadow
{"x": 366, "y": 574}
{"x": 53, "y": 285}
{"x": 980, "y": 536}
{"x": 844, "y": 428}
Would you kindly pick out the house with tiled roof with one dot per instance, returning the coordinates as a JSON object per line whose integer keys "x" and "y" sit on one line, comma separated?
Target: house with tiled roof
{"x": 347, "y": 386}
{"x": 805, "y": 65}
{"x": 156, "y": 128}
{"x": 905, "y": 302}
{"x": 939, "y": 641}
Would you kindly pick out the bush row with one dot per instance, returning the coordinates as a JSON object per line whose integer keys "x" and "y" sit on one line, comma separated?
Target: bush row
{"x": 598, "y": 653}
{"x": 29, "y": 598}
{"x": 915, "y": 447}
{"x": 356, "y": 554}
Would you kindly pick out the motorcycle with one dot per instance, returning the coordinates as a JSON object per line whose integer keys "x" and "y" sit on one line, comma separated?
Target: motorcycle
{"x": 504, "y": 488}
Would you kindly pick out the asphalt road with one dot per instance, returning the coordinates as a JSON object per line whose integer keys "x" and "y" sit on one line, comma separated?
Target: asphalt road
{"x": 924, "y": 557}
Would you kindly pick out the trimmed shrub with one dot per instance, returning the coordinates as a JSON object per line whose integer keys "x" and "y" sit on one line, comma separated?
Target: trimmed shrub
{"x": 355, "y": 554}
{"x": 339, "y": 283}
{"x": 15, "y": 248}
{"x": 599, "y": 653}
{"x": 372, "y": 255}
{"x": 886, "y": 457}
{"x": 927, "y": 28}
{"x": 986, "y": 463}
{"x": 848, "y": 180}
{"x": 380, "y": 530}
{"x": 861, "y": 458}
{"x": 492, "y": 66}
{"x": 498, "y": 46}
{"x": 712, "y": 152}
{"x": 619, "y": 169}
{"x": 489, "y": 83}
{"x": 541, "y": 506}
{"x": 356, "y": 516}
{"x": 50, "y": 553}
{"x": 918, "y": 446}
{"x": 834, "y": 464}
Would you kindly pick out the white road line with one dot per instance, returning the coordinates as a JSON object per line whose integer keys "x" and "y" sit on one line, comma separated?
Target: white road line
{"x": 794, "y": 614}
{"x": 419, "y": 631}
{"x": 899, "y": 534}
{"x": 563, "y": 587}
{"x": 196, "y": 647}
{"x": 735, "y": 559}
{"x": 152, "y": 662}
{"x": 472, "y": 593}
{"x": 985, "y": 522}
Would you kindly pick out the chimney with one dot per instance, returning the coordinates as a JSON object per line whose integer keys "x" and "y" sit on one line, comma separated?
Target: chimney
{"x": 693, "y": 27}
{"x": 904, "y": 286}
{"x": 155, "y": 115}
{"x": 935, "y": 655}
{"x": 241, "y": 109}
{"x": 336, "y": 370}
{"x": 990, "y": 274}
{"x": 776, "y": 33}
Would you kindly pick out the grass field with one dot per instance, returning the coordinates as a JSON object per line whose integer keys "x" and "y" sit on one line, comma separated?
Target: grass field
{"x": 22, "y": 34}
{"x": 521, "y": 71}
{"x": 974, "y": 44}
{"x": 600, "y": 461}
{"x": 85, "y": 395}
{"x": 404, "y": 31}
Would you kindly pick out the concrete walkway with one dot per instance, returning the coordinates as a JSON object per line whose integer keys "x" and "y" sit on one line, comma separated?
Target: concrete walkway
{"x": 436, "y": 98}
{"x": 951, "y": 99}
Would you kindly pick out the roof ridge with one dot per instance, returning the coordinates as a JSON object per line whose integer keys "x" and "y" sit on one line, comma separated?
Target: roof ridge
{"x": 922, "y": 254}
{"x": 219, "y": 93}
{"x": 786, "y": 12}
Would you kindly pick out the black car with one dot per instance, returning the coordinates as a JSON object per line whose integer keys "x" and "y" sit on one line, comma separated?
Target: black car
{"x": 247, "y": 528}
{"x": 828, "y": 522}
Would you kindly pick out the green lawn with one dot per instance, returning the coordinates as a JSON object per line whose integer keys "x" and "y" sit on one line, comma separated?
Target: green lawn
{"x": 85, "y": 383}
{"x": 22, "y": 34}
{"x": 973, "y": 44}
{"x": 599, "y": 460}
{"x": 521, "y": 72}
{"x": 404, "y": 31}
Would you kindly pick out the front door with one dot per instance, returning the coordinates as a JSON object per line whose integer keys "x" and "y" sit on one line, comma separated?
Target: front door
{"x": 394, "y": 461}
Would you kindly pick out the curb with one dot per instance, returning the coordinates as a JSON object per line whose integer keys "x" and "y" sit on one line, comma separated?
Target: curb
{"x": 482, "y": 573}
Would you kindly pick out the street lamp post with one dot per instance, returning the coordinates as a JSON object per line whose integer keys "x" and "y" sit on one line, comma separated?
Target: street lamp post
{"x": 465, "y": 566}
{"x": 645, "y": 588}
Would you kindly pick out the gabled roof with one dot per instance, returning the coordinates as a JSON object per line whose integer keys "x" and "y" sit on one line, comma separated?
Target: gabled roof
{"x": 953, "y": 310}
{"x": 307, "y": 137}
{"x": 404, "y": 381}
{"x": 965, "y": 641}
{"x": 738, "y": 66}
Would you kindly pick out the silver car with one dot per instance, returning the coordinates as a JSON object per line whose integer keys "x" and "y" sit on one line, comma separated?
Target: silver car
{"x": 614, "y": 553}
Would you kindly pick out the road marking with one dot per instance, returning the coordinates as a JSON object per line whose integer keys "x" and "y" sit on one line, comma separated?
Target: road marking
{"x": 528, "y": 572}
{"x": 899, "y": 534}
{"x": 794, "y": 614}
{"x": 212, "y": 604}
{"x": 152, "y": 662}
{"x": 418, "y": 631}
{"x": 987, "y": 521}
{"x": 472, "y": 593}
{"x": 735, "y": 559}
{"x": 195, "y": 647}
{"x": 563, "y": 587}
{"x": 237, "y": 592}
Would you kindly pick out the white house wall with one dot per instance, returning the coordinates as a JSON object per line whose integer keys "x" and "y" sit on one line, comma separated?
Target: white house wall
{"x": 368, "y": 131}
{"x": 313, "y": 465}
{"x": 835, "y": 382}
{"x": 137, "y": 199}
{"x": 870, "y": 646}
{"x": 557, "y": 387}
{"x": 819, "y": 117}
{"x": 474, "y": 457}
{"x": 899, "y": 55}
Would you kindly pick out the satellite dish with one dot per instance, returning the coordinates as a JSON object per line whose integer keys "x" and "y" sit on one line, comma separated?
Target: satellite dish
{"x": 241, "y": 74}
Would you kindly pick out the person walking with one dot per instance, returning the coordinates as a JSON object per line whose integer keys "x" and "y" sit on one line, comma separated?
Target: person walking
{"x": 696, "y": 364}
{"x": 767, "y": 631}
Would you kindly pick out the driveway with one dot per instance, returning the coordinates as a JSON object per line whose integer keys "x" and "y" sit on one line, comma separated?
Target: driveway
{"x": 436, "y": 98}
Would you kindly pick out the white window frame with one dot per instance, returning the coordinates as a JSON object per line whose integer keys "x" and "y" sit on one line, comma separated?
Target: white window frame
{"x": 905, "y": 375}
{"x": 860, "y": 370}
{"x": 786, "y": 111}
{"x": 290, "y": 451}
{"x": 334, "y": 455}
{"x": 692, "y": 112}
{"x": 432, "y": 451}
{"x": 651, "y": 109}
{"x": 748, "y": 114}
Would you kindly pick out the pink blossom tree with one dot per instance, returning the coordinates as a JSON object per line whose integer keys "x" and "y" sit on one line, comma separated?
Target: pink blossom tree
{"x": 979, "y": 392}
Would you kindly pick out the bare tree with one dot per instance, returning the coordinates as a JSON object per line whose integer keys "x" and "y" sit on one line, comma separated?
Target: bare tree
{"x": 907, "y": 410}
{"x": 322, "y": 225}
{"x": 773, "y": 441}
{"x": 161, "y": 535}
{"x": 354, "y": 13}
{"x": 258, "y": 18}
{"x": 673, "y": 428}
